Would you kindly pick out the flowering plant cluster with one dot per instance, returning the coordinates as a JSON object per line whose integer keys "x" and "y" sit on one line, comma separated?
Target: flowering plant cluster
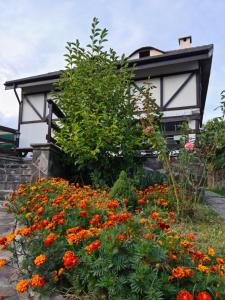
{"x": 80, "y": 239}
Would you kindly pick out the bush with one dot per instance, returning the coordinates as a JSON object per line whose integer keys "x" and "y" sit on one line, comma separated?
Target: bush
{"x": 144, "y": 178}
{"x": 94, "y": 93}
{"x": 124, "y": 189}
{"x": 78, "y": 239}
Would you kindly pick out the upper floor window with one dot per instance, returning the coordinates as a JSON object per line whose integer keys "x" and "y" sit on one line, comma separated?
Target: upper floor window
{"x": 144, "y": 53}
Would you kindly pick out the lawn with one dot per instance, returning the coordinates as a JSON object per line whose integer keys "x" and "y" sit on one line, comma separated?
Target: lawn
{"x": 219, "y": 191}
{"x": 208, "y": 227}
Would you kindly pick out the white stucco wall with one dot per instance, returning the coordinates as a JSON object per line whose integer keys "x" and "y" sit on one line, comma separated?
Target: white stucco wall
{"x": 28, "y": 113}
{"x": 34, "y": 133}
{"x": 186, "y": 97}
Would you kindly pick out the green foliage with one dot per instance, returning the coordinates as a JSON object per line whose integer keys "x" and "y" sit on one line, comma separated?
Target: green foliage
{"x": 94, "y": 93}
{"x": 123, "y": 189}
{"x": 143, "y": 178}
{"x": 212, "y": 144}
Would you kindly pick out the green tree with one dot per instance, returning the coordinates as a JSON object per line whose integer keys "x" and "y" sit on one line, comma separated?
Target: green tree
{"x": 99, "y": 131}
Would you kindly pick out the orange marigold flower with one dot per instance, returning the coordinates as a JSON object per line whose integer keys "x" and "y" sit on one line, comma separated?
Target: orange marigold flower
{"x": 141, "y": 201}
{"x": 37, "y": 281}
{"x": 27, "y": 216}
{"x": 40, "y": 210}
{"x": 220, "y": 261}
{"x": 83, "y": 213}
{"x": 204, "y": 296}
{"x": 49, "y": 239}
{"x": 112, "y": 204}
{"x": 186, "y": 244}
{"x": 172, "y": 257}
{"x": 154, "y": 215}
{"x": 184, "y": 295}
{"x": 178, "y": 272}
{"x": 22, "y": 286}
{"x": 3, "y": 262}
{"x": 148, "y": 236}
{"x": 39, "y": 260}
{"x": 188, "y": 272}
{"x": 93, "y": 246}
{"x": 211, "y": 251}
{"x": 121, "y": 237}
{"x": 95, "y": 220}
{"x": 197, "y": 255}
{"x": 69, "y": 259}
{"x": 61, "y": 221}
{"x": 171, "y": 214}
{"x": 190, "y": 236}
{"x": 25, "y": 231}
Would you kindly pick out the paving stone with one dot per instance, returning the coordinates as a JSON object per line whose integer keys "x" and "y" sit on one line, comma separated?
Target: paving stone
{"x": 217, "y": 202}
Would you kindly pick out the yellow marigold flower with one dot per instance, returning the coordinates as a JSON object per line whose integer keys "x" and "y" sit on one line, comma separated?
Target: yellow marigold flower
{"x": 206, "y": 258}
{"x": 3, "y": 262}
{"x": 39, "y": 260}
{"x": 211, "y": 251}
{"x": 10, "y": 237}
{"x": 22, "y": 286}
{"x": 203, "y": 268}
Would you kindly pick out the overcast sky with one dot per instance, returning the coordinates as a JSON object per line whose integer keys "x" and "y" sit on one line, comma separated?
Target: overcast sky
{"x": 33, "y": 34}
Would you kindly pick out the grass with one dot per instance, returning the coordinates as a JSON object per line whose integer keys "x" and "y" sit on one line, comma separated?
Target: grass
{"x": 219, "y": 191}
{"x": 208, "y": 227}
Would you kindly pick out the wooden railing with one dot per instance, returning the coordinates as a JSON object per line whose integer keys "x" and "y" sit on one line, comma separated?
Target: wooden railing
{"x": 9, "y": 140}
{"x": 53, "y": 110}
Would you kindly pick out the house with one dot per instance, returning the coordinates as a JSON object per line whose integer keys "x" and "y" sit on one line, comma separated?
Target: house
{"x": 180, "y": 78}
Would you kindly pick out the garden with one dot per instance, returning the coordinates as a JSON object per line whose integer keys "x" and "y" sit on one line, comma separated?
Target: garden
{"x": 114, "y": 230}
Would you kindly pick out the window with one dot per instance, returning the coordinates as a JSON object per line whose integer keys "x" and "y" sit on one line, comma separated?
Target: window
{"x": 144, "y": 53}
{"x": 172, "y": 126}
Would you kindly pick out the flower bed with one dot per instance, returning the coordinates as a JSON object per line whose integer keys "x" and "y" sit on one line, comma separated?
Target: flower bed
{"x": 78, "y": 238}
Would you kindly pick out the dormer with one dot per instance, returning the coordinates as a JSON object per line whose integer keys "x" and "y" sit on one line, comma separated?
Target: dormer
{"x": 145, "y": 52}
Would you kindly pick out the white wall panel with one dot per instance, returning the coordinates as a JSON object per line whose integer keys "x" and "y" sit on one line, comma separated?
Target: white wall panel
{"x": 171, "y": 85}
{"x": 32, "y": 134}
{"x": 154, "y": 82}
{"x": 187, "y": 95}
{"x": 28, "y": 113}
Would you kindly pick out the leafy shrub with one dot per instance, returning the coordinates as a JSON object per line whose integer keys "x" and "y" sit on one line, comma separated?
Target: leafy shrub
{"x": 80, "y": 239}
{"x": 99, "y": 126}
{"x": 124, "y": 189}
{"x": 144, "y": 178}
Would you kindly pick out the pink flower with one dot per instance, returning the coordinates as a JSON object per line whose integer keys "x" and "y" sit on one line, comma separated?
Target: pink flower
{"x": 148, "y": 130}
{"x": 189, "y": 146}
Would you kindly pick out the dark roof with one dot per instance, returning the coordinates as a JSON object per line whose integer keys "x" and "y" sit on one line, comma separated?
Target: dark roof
{"x": 188, "y": 53}
{"x": 45, "y": 76}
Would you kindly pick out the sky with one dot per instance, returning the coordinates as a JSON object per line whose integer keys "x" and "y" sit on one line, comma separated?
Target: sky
{"x": 33, "y": 35}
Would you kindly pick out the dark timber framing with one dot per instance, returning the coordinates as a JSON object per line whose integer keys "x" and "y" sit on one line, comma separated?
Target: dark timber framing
{"x": 161, "y": 92}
